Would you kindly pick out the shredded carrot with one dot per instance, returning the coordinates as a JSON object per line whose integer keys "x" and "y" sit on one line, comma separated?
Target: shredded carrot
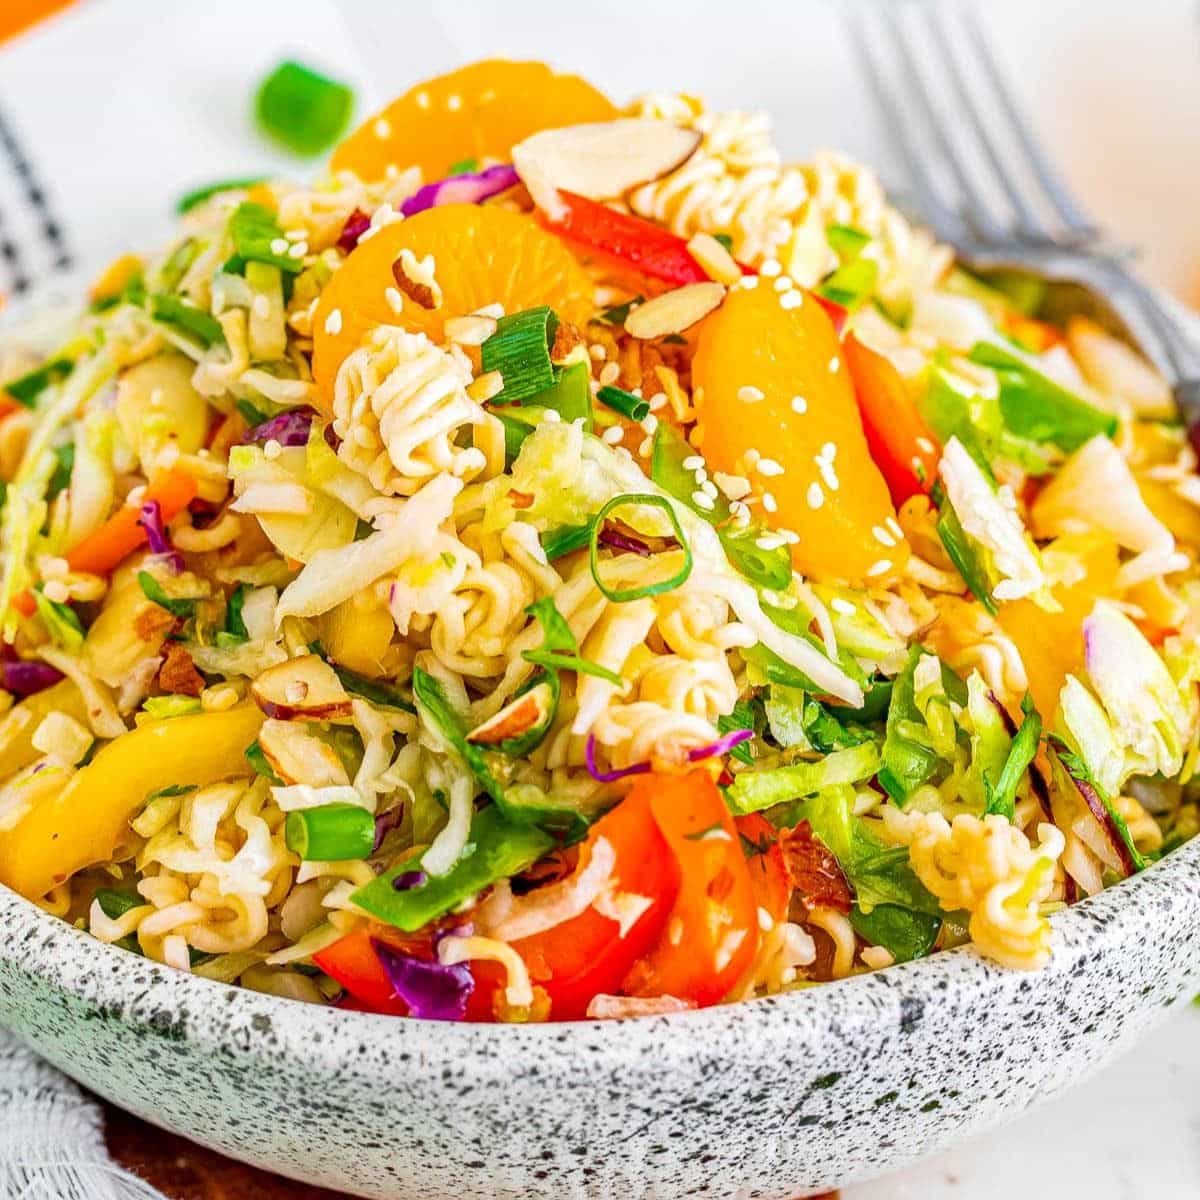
{"x": 24, "y": 603}
{"x": 122, "y": 533}
{"x": 8, "y": 405}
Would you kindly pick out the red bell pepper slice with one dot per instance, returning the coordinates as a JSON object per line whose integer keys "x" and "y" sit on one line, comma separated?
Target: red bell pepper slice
{"x": 765, "y": 861}
{"x": 587, "y": 955}
{"x": 904, "y": 449}
{"x": 711, "y": 936}
{"x": 641, "y": 244}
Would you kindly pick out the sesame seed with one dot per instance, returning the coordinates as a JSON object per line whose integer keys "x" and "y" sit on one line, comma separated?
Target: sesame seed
{"x": 880, "y": 568}
{"x": 748, "y": 394}
{"x": 815, "y": 496}
{"x": 609, "y": 374}
{"x": 783, "y": 283}
{"x": 829, "y": 451}
{"x": 394, "y": 299}
{"x": 769, "y": 541}
{"x": 771, "y": 267}
{"x": 454, "y": 102}
{"x": 598, "y": 352}
{"x": 792, "y": 299}
{"x": 657, "y": 401}
{"x": 751, "y": 456}
{"x": 799, "y": 405}
{"x": 709, "y": 488}
{"x": 382, "y": 128}
{"x": 495, "y": 310}
{"x": 768, "y": 467}
{"x": 56, "y": 591}
{"x": 645, "y": 448}
{"x": 765, "y": 921}
{"x": 279, "y": 245}
{"x": 770, "y": 503}
{"x": 552, "y": 416}
{"x": 295, "y": 235}
{"x": 894, "y": 526}
{"x": 883, "y": 537}
{"x": 422, "y": 99}
{"x": 261, "y": 307}
{"x": 842, "y": 606}
{"x": 333, "y": 322}
{"x": 790, "y": 536}
{"x": 701, "y": 500}
{"x": 299, "y": 250}
{"x": 923, "y": 443}
{"x": 272, "y": 449}
{"x": 693, "y": 462}
{"x": 613, "y": 435}
{"x": 749, "y": 282}
{"x": 835, "y": 364}
{"x": 650, "y": 423}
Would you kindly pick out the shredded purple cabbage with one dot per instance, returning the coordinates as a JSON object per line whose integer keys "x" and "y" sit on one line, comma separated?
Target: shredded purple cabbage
{"x": 26, "y": 678}
{"x": 289, "y": 428}
{"x": 407, "y": 880}
{"x": 385, "y": 822}
{"x": 431, "y": 990}
{"x": 599, "y": 776}
{"x": 357, "y": 223}
{"x": 622, "y": 543}
{"x": 462, "y": 189}
{"x": 1104, "y": 819}
{"x": 156, "y": 535}
{"x": 721, "y": 746}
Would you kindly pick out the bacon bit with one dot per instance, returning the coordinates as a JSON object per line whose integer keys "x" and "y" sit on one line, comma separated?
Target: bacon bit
{"x": 178, "y": 673}
{"x": 813, "y": 870}
{"x": 424, "y": 292}
{"x": 520, "y": 499}
{"x": 152, "y": 622}
{"x": 566, "y": 338}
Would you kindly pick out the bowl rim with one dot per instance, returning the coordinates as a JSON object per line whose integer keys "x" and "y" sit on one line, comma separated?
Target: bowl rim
{"x": 92, "y": 971}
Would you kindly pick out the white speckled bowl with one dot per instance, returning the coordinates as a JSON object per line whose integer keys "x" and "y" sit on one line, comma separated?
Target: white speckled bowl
{"x": 770, "y": 1098}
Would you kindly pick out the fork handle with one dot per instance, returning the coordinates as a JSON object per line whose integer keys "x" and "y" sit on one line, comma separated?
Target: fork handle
{"x": 1187, "y": 399}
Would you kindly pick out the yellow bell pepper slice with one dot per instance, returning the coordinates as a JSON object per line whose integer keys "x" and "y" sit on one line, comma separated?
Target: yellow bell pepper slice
{"x": 21, "y": 721}
{"x": 83, "y": 823}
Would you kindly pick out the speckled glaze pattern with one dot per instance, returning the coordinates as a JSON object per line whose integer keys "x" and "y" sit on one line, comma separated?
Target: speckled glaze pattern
{"x": 771, "y": 1098}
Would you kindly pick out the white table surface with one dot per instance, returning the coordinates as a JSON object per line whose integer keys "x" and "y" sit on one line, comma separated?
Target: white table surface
{"x": 1114, "y": 87}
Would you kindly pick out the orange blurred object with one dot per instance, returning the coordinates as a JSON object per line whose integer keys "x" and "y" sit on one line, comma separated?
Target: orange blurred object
{"x": 482, "y": 255}
{"x": 777, "y": 406}
{"x": 479, "y": 111}
{"x": 16, "y": 15}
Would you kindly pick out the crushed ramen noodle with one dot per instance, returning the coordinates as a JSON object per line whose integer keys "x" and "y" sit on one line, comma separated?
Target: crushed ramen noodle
{"x": 624, "y": 573}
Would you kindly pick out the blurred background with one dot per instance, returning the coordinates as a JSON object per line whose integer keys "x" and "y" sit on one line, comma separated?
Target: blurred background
{"x": 112, "y": 109}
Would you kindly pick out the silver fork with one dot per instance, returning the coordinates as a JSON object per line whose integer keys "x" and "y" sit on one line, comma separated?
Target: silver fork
{"x": 983, "y": 181}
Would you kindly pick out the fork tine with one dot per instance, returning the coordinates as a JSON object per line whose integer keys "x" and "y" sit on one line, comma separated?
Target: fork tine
{"x": 936, "y": 18}
{"x": 937, "y": 210}
{"x": 1051, "y": 182}
{"x": 978, "y": 211}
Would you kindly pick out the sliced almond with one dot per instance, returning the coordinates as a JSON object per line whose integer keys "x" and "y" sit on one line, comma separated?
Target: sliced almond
{"x": 298, "y": 757}
{"x": 519, "y": 716}
{"x": 673, "y": 312}
{"x": 301, "y": 689}
{"x": 716, "y": 261}
{"x": 604, "y": 160}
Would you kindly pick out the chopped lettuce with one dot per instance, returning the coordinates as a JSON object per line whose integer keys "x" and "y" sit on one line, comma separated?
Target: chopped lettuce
{"x": 1002, "y": 797}
{"x": 755, "y": 790}
{"x": 161, "y": 707}
{"x": 61, "y": 621}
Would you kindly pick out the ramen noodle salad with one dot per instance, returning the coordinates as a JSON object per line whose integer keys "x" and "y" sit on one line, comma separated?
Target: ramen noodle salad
{"x": 569, "y": 562}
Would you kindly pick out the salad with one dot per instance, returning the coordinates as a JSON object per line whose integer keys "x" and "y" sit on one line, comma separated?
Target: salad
{"x": 568, "y": 562}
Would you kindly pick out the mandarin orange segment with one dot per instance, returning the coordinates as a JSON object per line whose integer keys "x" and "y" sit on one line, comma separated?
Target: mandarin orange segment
{"x": 776, "y": 405}
{"x": 479, "y": 111}
{"x": 481, "y": 256}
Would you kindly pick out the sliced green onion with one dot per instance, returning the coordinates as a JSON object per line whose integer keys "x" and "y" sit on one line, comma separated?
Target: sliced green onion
{"x": 1036, "y": 407}
{"x": 1002, "y": 798}
{"x": 258, "y": 760}
{"x": 197, "y": 196}
{"x": 571, "y": 662}
{"x": 25, "y": 389}
{"x": 330, "y": 833}
{"x": 251, "y": 415}
{"x": 559, "y": 650}
{"x": 464, "y": 166}
{"x": 626, "y": 403}
{"x": 846, "y": 241}
{"x": 852, "y": 284}
{"x": 565, "y": 539}
{"x": 162, "y": 708}
{"x": 765, "y": 568}
{"x": 725, "y": 240}
{"x": 176, "y": 266}
{"x": 742, "y": 717}
{"x": 964, "y": 556}
{"x": 61, "y": 620}
{"x": 625, "y": 595}
{"x": 235, "y": 627}
{"x": 187, "y": 318}
{"x": 520, "y": 351}
{"x": 257, "y": 237}
{"x": 115, "y": 904}
{"x": 570, "y": 396}
{"x": 153, "y": 591}
{"x": 302, "y": 109}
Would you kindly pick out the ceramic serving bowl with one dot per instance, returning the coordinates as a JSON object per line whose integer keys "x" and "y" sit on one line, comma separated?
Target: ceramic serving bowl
{"x": 768, "y": 1098}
